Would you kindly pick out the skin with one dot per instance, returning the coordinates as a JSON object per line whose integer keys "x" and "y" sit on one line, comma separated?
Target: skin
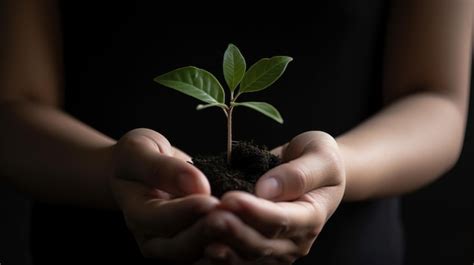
{"x": 413, "y": 140}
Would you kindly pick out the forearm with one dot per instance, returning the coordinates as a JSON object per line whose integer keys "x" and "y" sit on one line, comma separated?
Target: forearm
{"x": 405, "y": 146}
{"x": 426, "y": 76}
{"x": 51, "y": 156}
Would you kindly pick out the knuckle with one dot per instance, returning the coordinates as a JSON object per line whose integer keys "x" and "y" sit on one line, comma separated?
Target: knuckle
{"x": 212, "y": 217}
{"x": 303, "y": 251}
{"x": 321, "y": 134}
{"x": 214, "y": 221}
{"x": 282, "y": 227}
{"x": 334, "y": 162}
{"x": 319, "y": 216}
{"x": 138, "y": 138}
{"x": 130, "y": 140}
{"x": 312, "y": 234}
{"x": 330, "y": 154}
{"x": 161, "y": 142}
{"x": 264, "y": 252}
{"x": 322, "y": 141}
{"x": 231, "y": 195}
{"x": 299, "y": 176}
{"x": 202, "y": 203}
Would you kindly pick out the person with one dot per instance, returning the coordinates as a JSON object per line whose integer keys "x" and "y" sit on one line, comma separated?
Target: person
{"x": 385, "y": 138}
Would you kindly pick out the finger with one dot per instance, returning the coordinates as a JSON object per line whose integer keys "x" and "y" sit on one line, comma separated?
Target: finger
{"x": 147, "y": 157}
{"x": 173, "y": 175}
{"x": 300, "y": 218}
{"x": 234, "y": 259}
{"x": 159, "y": 194}
{"x": 291, "y": 180}
{"x": 246, "y": 241}
{"x": 304, "y": 219}
{"x": 217, "y": 253}
{"x": 155, "y": 140}
{"x": 221, "y": 254}
{"x": 265, "y": 216}
{"x": 300, "y": 221}
{"x": 188, "y": 245}
{"x": 159, "y": 217}
{"x": 307, "y": 216}
{"x": 308, "y": 141}
{"x": 318, "y": 205}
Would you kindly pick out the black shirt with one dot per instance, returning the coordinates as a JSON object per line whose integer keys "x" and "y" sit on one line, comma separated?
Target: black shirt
{"x": 112, "y": 53}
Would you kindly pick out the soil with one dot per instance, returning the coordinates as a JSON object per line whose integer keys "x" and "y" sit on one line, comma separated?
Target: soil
{"x": 248, "y": 163}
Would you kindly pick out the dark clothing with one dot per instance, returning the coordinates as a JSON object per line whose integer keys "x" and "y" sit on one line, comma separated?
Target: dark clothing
{"x": 113, "y": 52}
{"x": 14, "y": 228}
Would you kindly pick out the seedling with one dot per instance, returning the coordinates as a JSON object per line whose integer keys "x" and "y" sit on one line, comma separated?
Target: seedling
{"x": 202, "y": 85}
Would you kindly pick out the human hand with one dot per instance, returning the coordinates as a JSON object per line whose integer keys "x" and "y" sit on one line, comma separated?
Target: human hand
{"x": 293, "y": 202}
{"x": 150, "y": 179}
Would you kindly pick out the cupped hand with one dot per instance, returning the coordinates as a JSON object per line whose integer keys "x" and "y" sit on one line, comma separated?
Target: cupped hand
{"x": 164, "y": 199}
{"x": 292, "y": 204}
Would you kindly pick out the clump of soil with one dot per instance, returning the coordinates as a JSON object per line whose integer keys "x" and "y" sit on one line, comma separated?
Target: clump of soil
{"x": 248, "y": 163}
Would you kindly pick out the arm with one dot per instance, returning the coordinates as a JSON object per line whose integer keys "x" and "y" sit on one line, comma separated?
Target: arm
{"x": 413, "y": 140}
{"x": 52, "y": 156}
{"x": 419, "y": 134}
{"x": 43, "y": 151}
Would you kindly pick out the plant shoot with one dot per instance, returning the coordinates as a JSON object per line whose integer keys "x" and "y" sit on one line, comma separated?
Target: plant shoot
{"x": 204, "y": 86}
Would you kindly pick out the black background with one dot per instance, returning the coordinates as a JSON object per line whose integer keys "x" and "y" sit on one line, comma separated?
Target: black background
{"x": 439, "y": 227}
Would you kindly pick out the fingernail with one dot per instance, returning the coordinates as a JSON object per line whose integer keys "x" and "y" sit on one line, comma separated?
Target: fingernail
{"x": 269, "y": 188}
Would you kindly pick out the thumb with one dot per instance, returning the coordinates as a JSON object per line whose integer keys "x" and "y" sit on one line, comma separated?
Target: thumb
{"x": 309, "y": 163}
{"x": 146, "y": 156}
{"x": 291, "y": 180}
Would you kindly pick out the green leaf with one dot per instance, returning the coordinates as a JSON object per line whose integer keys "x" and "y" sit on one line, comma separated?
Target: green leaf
{"x": 194, "y": 82}
{"x": 205, "y": 106}
{"x": 234, "y": 66}
{"x": 264, "y": 108}
{"x": 264, "y": 73}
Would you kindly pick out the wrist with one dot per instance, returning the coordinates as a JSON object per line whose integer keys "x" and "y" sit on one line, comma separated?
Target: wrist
{"x": 354, "y": 188}
{"x": 103, "y": 163}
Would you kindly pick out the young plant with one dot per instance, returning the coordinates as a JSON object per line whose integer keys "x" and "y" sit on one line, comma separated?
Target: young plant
{"x": 202, "y": 85}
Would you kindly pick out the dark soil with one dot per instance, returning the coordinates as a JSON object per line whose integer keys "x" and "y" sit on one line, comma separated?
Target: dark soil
{"x": 248, "y": 163}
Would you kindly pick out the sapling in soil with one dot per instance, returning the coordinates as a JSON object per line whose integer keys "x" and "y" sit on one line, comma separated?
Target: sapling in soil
{"x": 240, "y": 167}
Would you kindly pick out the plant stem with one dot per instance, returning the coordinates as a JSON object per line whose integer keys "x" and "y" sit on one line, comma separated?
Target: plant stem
{"x": 229, "y": 134}
{"x": 229, "y": 128}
